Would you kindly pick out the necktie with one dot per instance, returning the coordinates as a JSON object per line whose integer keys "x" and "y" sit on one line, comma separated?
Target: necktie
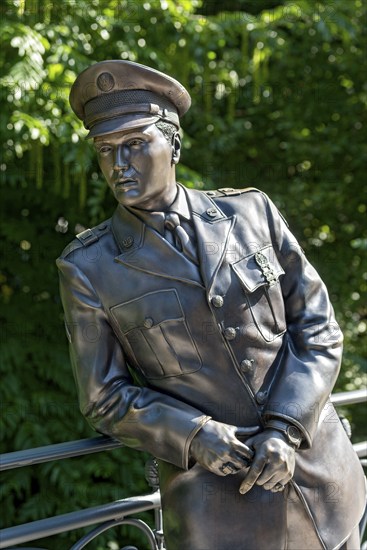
{"x": 181, "y": 238}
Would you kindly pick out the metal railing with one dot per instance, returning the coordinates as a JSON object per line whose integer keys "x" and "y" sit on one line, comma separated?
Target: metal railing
{"x": 116, "y": 513}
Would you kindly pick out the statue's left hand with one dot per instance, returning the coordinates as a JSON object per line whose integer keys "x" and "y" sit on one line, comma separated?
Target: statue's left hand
{"x": 273, "y": 464}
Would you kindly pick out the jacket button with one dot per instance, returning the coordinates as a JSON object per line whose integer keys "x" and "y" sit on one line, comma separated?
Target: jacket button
{"x": 261, "y": 397}
{"x": 230, "y": 333}
{"x": 148, "y": 322}
{"x": 217, "y": 301}
{"x": 247, "y": 365}
{"x": 212, "y": 212}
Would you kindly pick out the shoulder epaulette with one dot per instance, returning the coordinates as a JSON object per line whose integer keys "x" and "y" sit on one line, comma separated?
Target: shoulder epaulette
{"x": 229, "y": 192}
{"x": 90, "y": 236}
{"x": 86, "y": 237}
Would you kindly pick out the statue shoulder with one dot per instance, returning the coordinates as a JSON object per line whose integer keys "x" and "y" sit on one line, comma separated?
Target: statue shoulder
{"x": 86, "y": 238}
{"x": 230, "y": 192}
{"x": 251, "y": 196}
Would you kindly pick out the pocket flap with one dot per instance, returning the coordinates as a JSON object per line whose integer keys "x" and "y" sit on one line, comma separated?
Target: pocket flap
{"x": 148, "y": 310}
{"x": 258, "y": 269}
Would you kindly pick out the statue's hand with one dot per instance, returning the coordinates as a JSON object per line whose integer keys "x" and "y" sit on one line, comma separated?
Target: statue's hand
{"x": 273, "y": 464}
{"x": 217, "y": 448}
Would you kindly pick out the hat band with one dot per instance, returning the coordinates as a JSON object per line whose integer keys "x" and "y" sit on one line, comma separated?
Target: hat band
{"x": 128, "y": 102}
{"x": 150, "y": 108}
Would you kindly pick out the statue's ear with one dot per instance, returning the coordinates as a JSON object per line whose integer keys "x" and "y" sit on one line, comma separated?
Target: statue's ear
{"x": 176, "y": 148}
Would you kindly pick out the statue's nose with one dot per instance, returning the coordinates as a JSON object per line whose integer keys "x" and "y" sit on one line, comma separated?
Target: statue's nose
{"x": 121, "y": 162}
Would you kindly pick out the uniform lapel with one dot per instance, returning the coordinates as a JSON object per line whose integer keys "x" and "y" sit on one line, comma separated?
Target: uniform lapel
{"x": 144, "y": 249}
{"x": 213, "y": 229}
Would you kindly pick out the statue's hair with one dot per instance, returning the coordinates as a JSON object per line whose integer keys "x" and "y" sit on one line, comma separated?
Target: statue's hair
{"x": 167, "y": 129}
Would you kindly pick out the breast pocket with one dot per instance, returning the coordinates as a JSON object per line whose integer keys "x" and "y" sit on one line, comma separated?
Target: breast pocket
{"x": 156, "y": 329}
{"x": 259, "y": 274}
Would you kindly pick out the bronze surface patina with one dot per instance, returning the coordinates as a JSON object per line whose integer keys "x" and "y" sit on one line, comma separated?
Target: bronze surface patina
{"x": 208, "y": 298}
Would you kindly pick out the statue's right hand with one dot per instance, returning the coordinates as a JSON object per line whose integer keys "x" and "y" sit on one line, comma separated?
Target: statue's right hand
{"x": 217, "y": 448}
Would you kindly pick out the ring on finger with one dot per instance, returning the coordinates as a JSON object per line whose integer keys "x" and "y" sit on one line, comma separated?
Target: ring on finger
{"x": 228, "y": 468}
{"x": 279, "y": 487}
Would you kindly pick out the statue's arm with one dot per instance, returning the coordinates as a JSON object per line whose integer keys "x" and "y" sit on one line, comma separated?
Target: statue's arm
{"x": 311, "y": 362}
{"x": 112, "y": 403}
{"x": 307, "y": 369}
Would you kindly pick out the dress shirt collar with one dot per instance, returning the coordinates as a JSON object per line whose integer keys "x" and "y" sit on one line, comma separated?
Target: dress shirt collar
{"x": 180, "y": 204}
{"x": 156, "y": 219}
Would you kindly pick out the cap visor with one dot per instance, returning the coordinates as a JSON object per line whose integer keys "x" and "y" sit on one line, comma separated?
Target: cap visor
{"x": 118, "y": 124}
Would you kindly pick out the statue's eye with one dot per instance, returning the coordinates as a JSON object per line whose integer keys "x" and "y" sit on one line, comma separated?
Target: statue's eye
{"x": 135, "y": 142}
{"x": 104, "y": 149}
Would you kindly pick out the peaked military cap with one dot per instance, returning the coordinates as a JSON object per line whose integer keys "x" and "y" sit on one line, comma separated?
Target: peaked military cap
{"x": 116, "y": 95}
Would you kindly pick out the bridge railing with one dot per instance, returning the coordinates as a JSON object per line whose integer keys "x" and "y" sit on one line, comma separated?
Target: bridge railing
{"x": 116, "y": 513}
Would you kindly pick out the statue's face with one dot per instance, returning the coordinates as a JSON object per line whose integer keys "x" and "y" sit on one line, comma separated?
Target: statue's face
{"x": 138, "y": 165}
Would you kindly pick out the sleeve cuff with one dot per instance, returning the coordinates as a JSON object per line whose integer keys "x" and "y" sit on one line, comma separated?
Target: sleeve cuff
{"x": 270, "y": 416}
{"x": 186, "y": 463}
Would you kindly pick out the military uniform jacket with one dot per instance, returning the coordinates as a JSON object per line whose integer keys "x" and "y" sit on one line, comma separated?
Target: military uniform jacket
{"x": 158, "y": 348}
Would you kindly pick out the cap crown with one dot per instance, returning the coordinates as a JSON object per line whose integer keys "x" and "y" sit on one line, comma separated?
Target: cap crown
{"x": 113, "y": 95}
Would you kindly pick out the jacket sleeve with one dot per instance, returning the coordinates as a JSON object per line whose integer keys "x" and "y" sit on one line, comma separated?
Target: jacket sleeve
{"x": 112, "y": 403}
{"x": 312, "y": 356}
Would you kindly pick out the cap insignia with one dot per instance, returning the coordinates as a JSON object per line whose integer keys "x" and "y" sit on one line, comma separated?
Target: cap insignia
{"x": 105, "y": 82}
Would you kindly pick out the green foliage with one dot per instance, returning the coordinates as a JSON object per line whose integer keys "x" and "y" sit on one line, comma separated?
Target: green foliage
{"x": 279, "y": 103}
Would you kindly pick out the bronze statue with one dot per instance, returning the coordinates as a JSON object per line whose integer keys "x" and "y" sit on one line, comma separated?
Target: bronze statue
{"x": 200, "y": 333}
